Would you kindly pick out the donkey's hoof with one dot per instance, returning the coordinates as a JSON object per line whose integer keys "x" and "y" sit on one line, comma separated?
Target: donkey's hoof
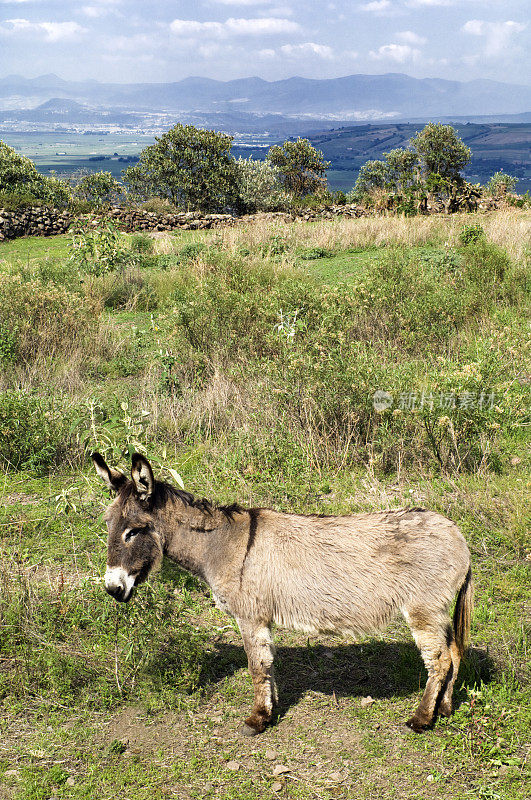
{"x": 416, "y": 725}
{"x": 248, "y": 730}
{"x": 445, "y": 709}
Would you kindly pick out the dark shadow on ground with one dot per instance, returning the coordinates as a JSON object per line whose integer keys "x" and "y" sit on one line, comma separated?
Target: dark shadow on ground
{"x": 376, "y": 668}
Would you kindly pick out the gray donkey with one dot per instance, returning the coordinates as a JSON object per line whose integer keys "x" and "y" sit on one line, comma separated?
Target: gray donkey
{"x": 318, "y": 574}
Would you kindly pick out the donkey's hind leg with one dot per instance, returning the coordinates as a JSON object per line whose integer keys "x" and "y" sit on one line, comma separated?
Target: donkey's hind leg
{"x": 445, "y": 706}
{"x": 433, "y": 633}
{"x": 260, "y": 650}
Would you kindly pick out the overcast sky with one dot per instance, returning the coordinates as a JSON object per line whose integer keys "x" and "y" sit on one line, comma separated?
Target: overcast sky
{"x": 153, "y": 40}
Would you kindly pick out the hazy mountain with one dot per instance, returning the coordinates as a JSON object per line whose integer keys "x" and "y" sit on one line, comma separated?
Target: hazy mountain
{"x": 352, "y": 97}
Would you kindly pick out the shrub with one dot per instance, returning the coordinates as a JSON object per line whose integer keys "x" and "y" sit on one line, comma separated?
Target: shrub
{"x": 500, "y": 183}
{"x": 471, "y": 233}
{"x": 312, "y": 253}
{"x": 43, "y": 319}
{"x": 519, "y": 201}
{"x": 30, "y": 436}
{"x": 159, "y": 205}
{"x": 61, "y": 641}
{"x": 190, "y": 251}
{"x": 141, "y": 243}
{"x": 97, "y": 250}
{"x": 18, "y": 201}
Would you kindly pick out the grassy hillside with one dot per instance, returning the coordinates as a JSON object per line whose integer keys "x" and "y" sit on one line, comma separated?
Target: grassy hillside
{"x": 247, "y": 359}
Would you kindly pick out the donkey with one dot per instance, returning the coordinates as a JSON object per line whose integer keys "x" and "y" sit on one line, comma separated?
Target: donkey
{"x": 317, "y": 574}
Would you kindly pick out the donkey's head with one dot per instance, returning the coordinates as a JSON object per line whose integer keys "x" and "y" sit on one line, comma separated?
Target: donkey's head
{"x": 134, "y": 545}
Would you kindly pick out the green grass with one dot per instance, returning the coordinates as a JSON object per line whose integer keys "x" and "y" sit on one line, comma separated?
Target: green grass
{"x": 29, "y": 248}
{"x": 100, "y": 701}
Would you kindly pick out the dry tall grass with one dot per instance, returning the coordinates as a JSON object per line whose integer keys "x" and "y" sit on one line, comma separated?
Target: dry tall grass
{"x": 509, "y": 228}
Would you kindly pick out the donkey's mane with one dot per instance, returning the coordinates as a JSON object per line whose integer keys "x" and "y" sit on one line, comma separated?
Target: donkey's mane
{"x": 164, "y": 491}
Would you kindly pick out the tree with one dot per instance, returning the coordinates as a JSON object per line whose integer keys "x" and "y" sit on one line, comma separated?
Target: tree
{"x": 402, "y": 169}
{"x": 97, "y": 187}
{"x": 19, "y": 176}
{"x": 441, "y": 152}
{"x": 302, "y": 167}
{"x": 259, "y": 185}
{"x": 372, "y": 175}
{"x": 190, "y": 167}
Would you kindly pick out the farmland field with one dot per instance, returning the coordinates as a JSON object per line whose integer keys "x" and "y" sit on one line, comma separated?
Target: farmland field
{"x": 246, "y": 360}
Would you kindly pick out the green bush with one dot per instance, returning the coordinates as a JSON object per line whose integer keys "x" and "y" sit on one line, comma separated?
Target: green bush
{"x": 30, "y": 436}
{"x": 42, "y": 319}
{"x": 519, "y": 201}
{"x": 98, "y": 250}
{"x": 141, "y": 243}
{"x": 312, "y": 253}
{"x": 327, "y": 350}
{"x": 19, "y": 176}
{"x": 191, "y": 251}
{"x": 97, "y": 188}
{"x": 18, "y": 201}
{"x": 159, "y": 205}
{"x": 471, "y": 234}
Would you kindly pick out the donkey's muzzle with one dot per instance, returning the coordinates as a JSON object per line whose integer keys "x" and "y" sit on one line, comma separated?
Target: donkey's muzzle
{"x": 120, "y": 594}
{"x": 119, "y": 584}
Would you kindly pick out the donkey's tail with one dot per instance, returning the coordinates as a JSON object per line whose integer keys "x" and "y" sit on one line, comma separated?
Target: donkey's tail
{"x": 463, "y": 613}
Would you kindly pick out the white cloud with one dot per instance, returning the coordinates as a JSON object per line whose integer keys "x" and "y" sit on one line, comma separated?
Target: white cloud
{"x": 399, "y": 53}
{"x": 377, "y": 6}
{"x": 417, "y": 3}
{"x": 49, "y": 31}
{"x": 410, "y": 37}
{"x": 189, "y": 27}
{"x": 267, "y": 52}
{"x": 497, "y": 35}
{"x": 260, "y": 26}
{"x": 305, "y": 49}
{"x": 242, "y": 2}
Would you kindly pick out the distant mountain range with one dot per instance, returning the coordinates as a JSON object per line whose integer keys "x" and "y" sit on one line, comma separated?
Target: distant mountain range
{"x": 351, "y": 98}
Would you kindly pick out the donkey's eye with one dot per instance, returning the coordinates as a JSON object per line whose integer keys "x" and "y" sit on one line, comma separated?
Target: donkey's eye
{"x": 127, "y": 535}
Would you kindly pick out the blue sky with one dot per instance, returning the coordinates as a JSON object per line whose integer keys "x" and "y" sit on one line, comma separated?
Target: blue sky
{"x": 152, "y": 40}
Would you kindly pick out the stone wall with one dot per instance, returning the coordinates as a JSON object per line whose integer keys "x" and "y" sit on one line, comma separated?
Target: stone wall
{"x": 35, "y": 221}
{"x": 39, "y": 221}
{"x": 138, "y": 220}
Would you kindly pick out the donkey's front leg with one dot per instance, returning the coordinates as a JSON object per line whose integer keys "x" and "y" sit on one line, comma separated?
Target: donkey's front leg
{"x": 260, "y": 651}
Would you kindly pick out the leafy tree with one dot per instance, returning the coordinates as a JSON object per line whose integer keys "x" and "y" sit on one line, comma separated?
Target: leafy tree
{"x": 19, "y": 176}
{"x": 402, "y": 169}
{"x": 97, "y": 187}
{"x": 190, "y": 167}
{"x": 372, "y": 175}
{"x": 441, "y": 152}
{"x": 259, "y": 185}
{"x": 302, "y": 167}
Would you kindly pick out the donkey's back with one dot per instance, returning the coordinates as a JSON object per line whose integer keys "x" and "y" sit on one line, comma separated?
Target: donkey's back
{"x": 348, "y": 574}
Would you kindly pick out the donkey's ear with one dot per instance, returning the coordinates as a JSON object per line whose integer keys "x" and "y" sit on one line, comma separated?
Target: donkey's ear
{"x": 142, "y": 476}
{"x": 113, "y": 478}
